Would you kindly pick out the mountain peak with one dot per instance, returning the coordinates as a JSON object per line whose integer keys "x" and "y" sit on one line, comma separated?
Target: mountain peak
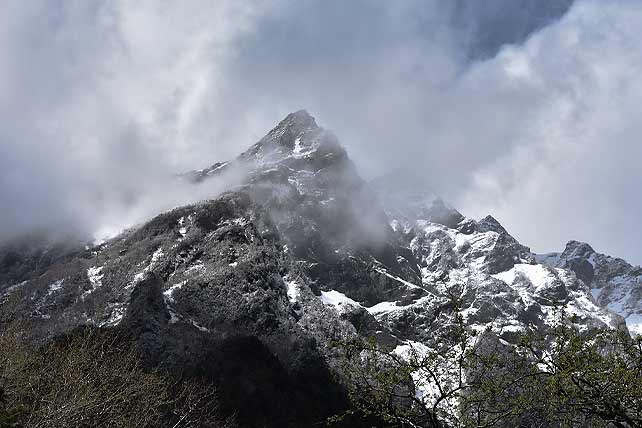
{"x": 296, "y": 140}
{"x": 300, "y": 115}
{"x": 490, "y": 223}
{"x": 577, "y": 249}
{"x": 291, "y": 127}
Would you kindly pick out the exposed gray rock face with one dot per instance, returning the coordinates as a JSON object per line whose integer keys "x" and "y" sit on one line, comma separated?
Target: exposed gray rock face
{"x": 251, "y": 287}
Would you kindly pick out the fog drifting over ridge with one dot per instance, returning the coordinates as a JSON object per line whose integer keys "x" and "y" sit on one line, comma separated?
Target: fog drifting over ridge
{"x": 522, "y": 109}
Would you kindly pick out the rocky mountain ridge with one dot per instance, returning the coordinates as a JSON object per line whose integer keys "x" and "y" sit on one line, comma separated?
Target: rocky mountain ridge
{"x": 251, "y": 287}
{"x": 614, "y": 283}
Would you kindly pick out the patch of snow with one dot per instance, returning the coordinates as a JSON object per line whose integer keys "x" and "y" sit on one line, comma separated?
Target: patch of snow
{"x": 95, "y": 276}
{"x": 467, "y": 312}
{"x": 300, "y": 150}
{"x": 168, "y": 298}
{"x": 55, "y": 287}
{"x": 411, "y": 348}
{"x": 384, "y": 307}
{"x": 197, "y": 267}
{"x": 396, "y": 278}
{"x": 297, "y": 146}
{"x": 182, "y": 228}
{"x": 297, "y": 184}
{"x": 476, "y": 264}
{"x": 461, "y": 240}
{"x": 327, "y": 201}
{"x": 217, "y": 168}
{"x": 293, "y": 290}
{"x": 140, "y": 276}
{"x": 239, "y": 221}
{"x": 116, "y": 315}
{"x": 538, "y": 275}
{"x": 173, "y": 316}
{"x": 403, "y": 226}
{"x": 200, "y": 327}
{"x": 158, "y": 254}
{"x": 478, "y": 242}
{"x": 512, "y": 326}
{"x": 429, "y": 227}
{"x": 507, "y": 277}
{"x": 439, "y": 237}
{"x": 426, "y": 388}
{"x": 168, "y": 294}
{"x": 338, "y": 300}
{"x": 583, "y": 306}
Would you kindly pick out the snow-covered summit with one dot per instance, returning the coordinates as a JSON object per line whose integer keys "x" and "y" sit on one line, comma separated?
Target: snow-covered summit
{"x": 292, "y": 127}
{"x": 296, "y": 143}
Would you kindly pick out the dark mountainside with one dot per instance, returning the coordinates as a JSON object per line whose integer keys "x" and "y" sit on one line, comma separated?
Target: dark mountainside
{"x": 249, "y": 289}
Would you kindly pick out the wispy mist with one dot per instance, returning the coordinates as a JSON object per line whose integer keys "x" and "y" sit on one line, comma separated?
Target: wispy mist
{"x": 524, "y": 109}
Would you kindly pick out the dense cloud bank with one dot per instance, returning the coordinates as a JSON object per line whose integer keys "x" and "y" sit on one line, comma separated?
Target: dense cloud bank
{"x": 524, "y": 109}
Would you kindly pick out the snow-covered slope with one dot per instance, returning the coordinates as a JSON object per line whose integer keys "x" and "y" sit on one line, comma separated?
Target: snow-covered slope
{"x": 498, "y": 281}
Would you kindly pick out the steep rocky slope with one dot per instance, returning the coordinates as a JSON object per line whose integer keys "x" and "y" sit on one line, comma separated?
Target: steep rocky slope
{"x": 204, "y": 288}
{"x": 249, "y": 288}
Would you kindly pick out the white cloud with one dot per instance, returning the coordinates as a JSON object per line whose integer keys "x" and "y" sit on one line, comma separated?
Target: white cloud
{"x": 572, "y": 169}
{"x": 102, "y": 99}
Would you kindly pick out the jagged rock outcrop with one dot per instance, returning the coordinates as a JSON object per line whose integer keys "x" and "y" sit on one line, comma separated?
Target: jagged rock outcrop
{"x": 614, "y": 283}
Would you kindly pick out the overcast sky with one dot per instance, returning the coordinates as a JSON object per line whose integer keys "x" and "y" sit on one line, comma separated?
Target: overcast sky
{"x": 529, "y": 110}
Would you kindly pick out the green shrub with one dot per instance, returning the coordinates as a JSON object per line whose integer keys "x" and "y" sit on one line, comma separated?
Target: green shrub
{"x": 93, "y": 378}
